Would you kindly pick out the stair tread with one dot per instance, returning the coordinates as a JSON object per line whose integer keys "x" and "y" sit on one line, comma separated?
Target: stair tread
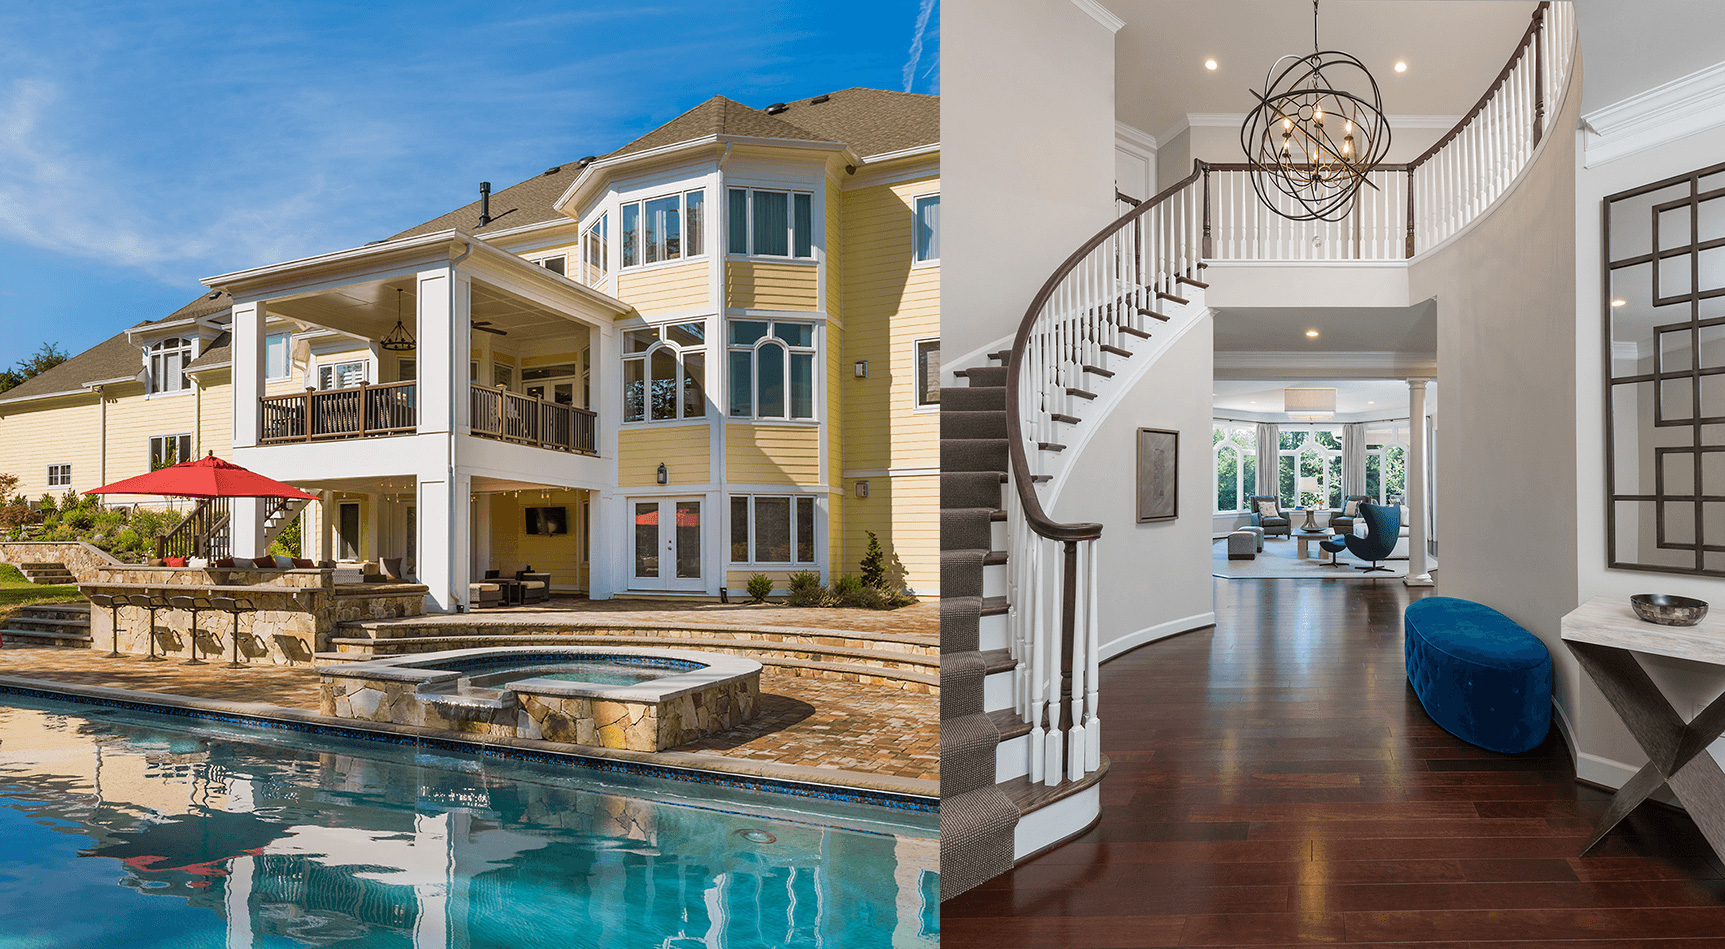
{"x": 1009, "y": 723}
{"x": 998, "y": 660}
{"x": 1134, "y": 331}
{"x": 1080, "y": 393}
{"x": 1116, "y": 350}
{"x": 1099, "y": 371}
{"x": 1164, "y": 295}
{"x": 1031, "y": 795}
{"x": 995, "y": 558}
{"x": 49, "y": 621}
{"x": 993, "y": 605}
{"x": 1069, "y": 419}
{"x": 42, "y": 634}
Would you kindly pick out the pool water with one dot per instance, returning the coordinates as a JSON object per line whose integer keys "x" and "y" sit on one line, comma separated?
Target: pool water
{"x": 629, "y": 671}
{"x": 121, "y": 828}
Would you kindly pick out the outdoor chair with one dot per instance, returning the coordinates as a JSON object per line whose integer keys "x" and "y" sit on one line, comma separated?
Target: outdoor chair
{"x": 112, "y": 604}
{"x": 144, "y": 601}
{"x": 192, "y": 605}
{"x": 233, "y": 606}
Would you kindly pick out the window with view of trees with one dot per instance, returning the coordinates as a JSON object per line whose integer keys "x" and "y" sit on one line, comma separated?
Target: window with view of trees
{"x": 1386, "y": 461}
{"x": 1310, "y": 467}
{"x": 772, "y": 369}
{"x": 1235, "y": 448}
{"x": 665, "y": 373}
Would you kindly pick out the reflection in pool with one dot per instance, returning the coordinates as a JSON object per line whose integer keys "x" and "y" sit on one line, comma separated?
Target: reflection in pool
{"x": 151, "y": 832}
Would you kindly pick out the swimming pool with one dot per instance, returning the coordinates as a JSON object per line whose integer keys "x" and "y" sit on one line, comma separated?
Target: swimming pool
{"x": 126, "y": 828}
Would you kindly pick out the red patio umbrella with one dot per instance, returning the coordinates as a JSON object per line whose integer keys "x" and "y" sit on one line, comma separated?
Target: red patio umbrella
{"x": 207, "y": 477}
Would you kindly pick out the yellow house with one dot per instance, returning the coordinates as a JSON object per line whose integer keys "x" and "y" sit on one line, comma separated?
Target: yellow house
{"x": 711, "y": 353}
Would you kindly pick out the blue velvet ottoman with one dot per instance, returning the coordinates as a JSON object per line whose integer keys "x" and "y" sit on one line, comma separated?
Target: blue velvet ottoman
{"x": 1479, "y": 674}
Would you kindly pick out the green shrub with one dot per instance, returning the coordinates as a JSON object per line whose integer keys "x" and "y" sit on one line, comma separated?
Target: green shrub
{"x": 759, "y": 587}
{"x": 805, "y": 590}
{"x": 844, "y": 591}
{"x": 79, "y": 518}
{"x": 873, "y": 563}
{"x": 287, "y": 543}
{"x": 46, "y": 503}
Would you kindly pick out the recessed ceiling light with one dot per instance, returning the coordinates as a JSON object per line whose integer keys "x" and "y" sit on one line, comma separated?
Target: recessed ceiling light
{"x": 1312, "y": 333}
{"x": 1210, "y": 64}
{"x": 1619, "y": 302}
{"x": 1371, "y": 402}
{"x": 1401, "y": 67}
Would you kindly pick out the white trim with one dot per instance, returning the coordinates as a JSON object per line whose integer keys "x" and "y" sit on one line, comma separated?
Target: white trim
{"x": 1281, "y": 365}
{"x": 1663, "y": 114}
{"x": 850, "y": 473}
{"x": 1101, "y": 14}
{"x": 915, "y": 209}
{"x": 915, "y": 151}
{"x": 1135, "y": 139}
{"x": 1150, "y": 634}
{"x": 1052, "y": 823}
{"x": 917, "y": 406}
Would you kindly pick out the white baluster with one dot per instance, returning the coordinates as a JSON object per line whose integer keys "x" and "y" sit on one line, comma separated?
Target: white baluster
{"x": 1093, "y": 654}
{"x": 1037, "y": 735}
{"x": 1053, "y": 746}
{"x": 1075, "y": 753}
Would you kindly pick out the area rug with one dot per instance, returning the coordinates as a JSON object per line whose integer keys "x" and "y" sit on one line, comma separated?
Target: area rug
{"x": 1279, "y": 562}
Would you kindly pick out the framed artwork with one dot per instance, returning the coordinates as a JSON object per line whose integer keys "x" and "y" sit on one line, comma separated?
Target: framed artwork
{"x": 1158, "y": 475}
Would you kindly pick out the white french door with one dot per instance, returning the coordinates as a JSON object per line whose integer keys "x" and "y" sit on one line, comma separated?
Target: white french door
{"x": 666, "y": 552}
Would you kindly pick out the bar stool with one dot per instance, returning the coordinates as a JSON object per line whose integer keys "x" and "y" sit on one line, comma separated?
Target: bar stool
{"x": 233, "y": 606}
{"x": 192, "y": 605}
{"x": 144, "y": 601}
{"x": 112, "y": 604}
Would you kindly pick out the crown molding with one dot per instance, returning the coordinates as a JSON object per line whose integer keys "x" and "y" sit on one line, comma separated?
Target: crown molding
{"x": 1134, "y": 139}
{"x": 1299, "y": 367}
{"x": 1663, "y": 114}
{"x": 1101, "y": 14}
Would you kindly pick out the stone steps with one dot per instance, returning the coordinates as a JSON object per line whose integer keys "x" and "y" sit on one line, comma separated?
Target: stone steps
{"x": 49, "y": 624}
{"x": 47, "y": 574}
{"x": 767, "y": 637}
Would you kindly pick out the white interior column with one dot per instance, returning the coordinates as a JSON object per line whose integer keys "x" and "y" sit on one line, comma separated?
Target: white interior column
{"x": 1416, "y": 484}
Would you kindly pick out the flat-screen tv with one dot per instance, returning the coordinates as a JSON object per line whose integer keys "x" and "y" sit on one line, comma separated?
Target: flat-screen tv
{"x": 547, "y": 520}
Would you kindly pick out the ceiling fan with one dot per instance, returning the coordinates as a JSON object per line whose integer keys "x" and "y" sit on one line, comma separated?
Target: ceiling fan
{"x": 484, "y": 326}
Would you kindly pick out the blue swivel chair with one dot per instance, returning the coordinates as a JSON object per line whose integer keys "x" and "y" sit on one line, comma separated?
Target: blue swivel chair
{"x": 1384, "y": 523}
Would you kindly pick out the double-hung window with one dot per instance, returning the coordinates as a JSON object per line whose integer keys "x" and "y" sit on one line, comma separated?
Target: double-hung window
{"x": 168, "y": 450}
{"x": 558, "y": 264}
{"x": 595, "y": 255}
{"x": 277, "y": 364}
{"x": 772, "y": 366}
{"x": 168, "y": 360}
{"x": 771, "y": 223}
{"x": 665, "y": 373}
{"x": 341, "y": 375}
{"x": 661, "y": 229}
{"x": 59, "y": 476}
{"x": 927, "y": 240}
{"x": 767, "y": 529}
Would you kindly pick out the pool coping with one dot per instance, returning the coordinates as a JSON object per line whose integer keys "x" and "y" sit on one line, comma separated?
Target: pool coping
{"x": 904, "y": 794}
{"x": 714, "y": 668}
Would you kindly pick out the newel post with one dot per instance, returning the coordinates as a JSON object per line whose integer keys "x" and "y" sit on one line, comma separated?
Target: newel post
{"x": 1410, "y": 248}
{"x": 1207, "y": 253}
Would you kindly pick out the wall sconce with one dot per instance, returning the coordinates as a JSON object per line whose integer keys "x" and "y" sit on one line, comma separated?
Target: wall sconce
{"x": 664, "y": 474}
{"x": 862, "y": 489}
{"x": 862, "y": 369}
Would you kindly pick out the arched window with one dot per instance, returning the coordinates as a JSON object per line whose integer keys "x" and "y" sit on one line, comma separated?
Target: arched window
{"x": 1310, "y": 469}
{"x": 665, "y": 373}
{"x": 772, "y": 369}
{"x": 168, "y": 360}
{"x": 1235, "y": 448}
{"x": 1386, "y": 461}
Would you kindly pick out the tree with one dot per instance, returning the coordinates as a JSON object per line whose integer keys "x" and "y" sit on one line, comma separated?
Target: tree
{"x": 37, "y": 363}
{"x": 873, "y": 563}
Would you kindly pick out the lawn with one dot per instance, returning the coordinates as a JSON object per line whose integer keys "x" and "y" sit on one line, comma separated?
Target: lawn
{"x": 15, "y": 591}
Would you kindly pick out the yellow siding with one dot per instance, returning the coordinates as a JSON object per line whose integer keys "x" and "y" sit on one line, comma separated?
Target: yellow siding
{"x": 753, "y": 284}
{"x": 666, "y": 289}
{"x": 217, "y": 412}
{"x": 682, "y": 449}
{"x": 888, "y": 304}
{"x": 134, "y": 420}
{"x": 904, "y": 513}
{"x": 32, "y": 438}
{"x": 737, "y": 581}
{"x": 760, "y": 453}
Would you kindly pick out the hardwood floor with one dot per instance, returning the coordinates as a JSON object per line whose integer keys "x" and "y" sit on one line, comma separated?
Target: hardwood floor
{"x": 1275, "y": 782}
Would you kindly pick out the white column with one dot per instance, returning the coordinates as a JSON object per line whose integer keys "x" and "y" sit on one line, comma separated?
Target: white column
{"x": 237, "y": 902}
{"x": 445, "y": 541}
{"x": 371, "y": 536}
{"x": 1416, "y": 484}
{"x": 326, "y": 514}
{"x": 443, "y": 354}
{"x": 247, "y": 334}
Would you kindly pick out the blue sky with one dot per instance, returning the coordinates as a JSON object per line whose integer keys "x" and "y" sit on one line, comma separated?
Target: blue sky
{"x": 143, "y": 146}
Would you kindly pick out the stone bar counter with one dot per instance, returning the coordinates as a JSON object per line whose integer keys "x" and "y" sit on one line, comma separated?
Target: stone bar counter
{"x": 295, "y": 610}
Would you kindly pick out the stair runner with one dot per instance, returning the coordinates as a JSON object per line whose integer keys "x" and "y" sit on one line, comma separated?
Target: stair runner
{"x": 52, "y": 574}
{"x": 49, "y": 624}
{"x": 977, "y": 817}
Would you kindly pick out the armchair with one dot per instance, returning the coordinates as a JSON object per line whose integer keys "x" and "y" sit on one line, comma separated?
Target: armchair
{"x": 1273, "y": 524}
{"x": 1384, "y": 528}
{"x": 1342, "y": 522}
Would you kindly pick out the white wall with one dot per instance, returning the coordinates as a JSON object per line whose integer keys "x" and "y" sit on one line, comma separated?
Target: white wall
{"x": 1609, "y": 754}
{"x": 1017, "y": 203}
{"x": 1632, "y": 47}
{"x": 1505, "y": 293}
{"x": 1155, "y": 577}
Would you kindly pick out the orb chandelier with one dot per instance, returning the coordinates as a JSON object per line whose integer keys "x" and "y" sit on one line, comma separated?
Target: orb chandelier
{"x": 1311, "y": 140}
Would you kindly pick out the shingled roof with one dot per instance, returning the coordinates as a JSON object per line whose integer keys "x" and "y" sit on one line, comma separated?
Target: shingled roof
{"x": 869, "y": 121}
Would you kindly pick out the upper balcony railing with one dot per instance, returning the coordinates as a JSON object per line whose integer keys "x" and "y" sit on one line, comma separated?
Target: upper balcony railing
{"x": 369, "y": 411}
{"x": 1112, "y": 292}
{"x": 524, "y": 419}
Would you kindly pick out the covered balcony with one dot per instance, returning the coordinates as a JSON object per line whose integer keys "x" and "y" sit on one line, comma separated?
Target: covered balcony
{"x": 374, "y": 411}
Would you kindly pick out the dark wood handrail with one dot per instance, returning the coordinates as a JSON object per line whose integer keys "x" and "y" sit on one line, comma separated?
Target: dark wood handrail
{"x": 1033, "y": 513}
{"x": 1527, "y": 38}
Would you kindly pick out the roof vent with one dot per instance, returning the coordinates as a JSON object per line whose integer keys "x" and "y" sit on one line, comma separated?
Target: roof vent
{"x": 213, "y": 294}
{"x": 776, "y": 108}
{"x": 484, "y": 203}
{"x": 817, "y": 100}
{"x": 554, "y": 169}
{"x": 590, "y": 159}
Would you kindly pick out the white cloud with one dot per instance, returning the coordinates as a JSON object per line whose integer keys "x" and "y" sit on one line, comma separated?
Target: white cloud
{"x": 923, "y": 14}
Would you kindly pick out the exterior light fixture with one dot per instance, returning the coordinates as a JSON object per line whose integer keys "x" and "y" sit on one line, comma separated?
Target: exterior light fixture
{"x": 664, "y": 474}
{"x": 399, "y": 339}
{"x": 862, "y": 369}
{"x": 1310, "y": 140}
{"x": 862, "y": 489}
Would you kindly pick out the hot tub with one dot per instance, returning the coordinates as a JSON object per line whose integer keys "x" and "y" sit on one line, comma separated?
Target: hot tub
{"x": 607, "y": 697}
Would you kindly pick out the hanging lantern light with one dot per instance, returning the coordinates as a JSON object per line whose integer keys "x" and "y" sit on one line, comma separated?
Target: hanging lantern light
{"x": 1310, "y": 140}
{"x": 399, "y": 339}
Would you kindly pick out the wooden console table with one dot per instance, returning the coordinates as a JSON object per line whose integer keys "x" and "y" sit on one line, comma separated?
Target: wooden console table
{"x": 1605, "y": 634}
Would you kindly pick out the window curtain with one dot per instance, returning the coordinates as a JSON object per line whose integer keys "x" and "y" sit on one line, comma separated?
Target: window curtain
{"x": 1269, "y": 465}
{"x": 1353, "y": 458}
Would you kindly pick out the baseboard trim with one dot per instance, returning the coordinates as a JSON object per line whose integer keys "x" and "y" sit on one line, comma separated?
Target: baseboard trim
{"x": 1058, "y": 822}
{"x": 1150, "y": 634}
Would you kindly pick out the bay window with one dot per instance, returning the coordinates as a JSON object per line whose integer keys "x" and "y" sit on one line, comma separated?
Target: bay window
{"x": 771, "y": 223}
{"x": 1235, "y": 451}
{"x": 168, "y": 360}
{"x": 772, "y": 530}
{"x": 1309, "y": 472}
{"x": 595, "y": 254}
{"x": 927, "y": 242}
{"x": 772, "y": 367}
{"x": 665, "y": 373}
{"x": 661, "y": 229}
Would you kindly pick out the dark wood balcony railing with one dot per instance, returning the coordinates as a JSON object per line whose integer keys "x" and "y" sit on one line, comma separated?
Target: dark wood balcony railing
{"x": 362, "y": 412}
{"x": 524, "y": 419}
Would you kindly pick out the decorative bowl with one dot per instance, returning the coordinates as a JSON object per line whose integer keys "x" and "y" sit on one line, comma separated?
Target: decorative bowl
{"x": 1667, "y": 610}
